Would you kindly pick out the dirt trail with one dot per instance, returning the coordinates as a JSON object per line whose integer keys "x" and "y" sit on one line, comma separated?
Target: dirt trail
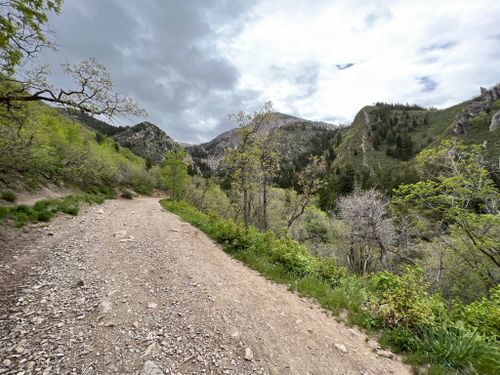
{"x": 126, "y": 284}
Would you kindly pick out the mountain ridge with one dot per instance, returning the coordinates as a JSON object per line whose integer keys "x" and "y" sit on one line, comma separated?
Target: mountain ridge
{"x": 380, "y": 136}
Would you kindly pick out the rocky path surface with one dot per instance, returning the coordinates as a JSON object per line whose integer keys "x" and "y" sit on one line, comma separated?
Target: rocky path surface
{"x": 127, "y": 288}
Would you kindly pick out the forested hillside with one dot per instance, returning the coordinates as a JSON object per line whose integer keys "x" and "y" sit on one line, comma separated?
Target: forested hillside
{"x": 50, "y": 148}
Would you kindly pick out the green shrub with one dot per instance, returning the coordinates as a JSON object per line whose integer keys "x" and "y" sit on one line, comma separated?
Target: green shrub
{"x": 46, "y": 209}
{"x": 8, "y": 195}
{"x": 483, "y": 315}
{"x": 4, "y": 212}
{"x": 328, "y": 271}
{"x": 293, "y": 257}
{"x": 42, "y": 215}
{"x": 45, "y": 204}
{"x": 71, "y": 210}
{"x": 404, "y": 300}
{"x": 143, "y": 189}
{"x": 20, "y": 219}
{"x": 399, "y": 339}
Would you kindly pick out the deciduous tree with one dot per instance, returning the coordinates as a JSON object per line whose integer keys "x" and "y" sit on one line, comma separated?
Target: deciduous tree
{"x": 175, "y": 173}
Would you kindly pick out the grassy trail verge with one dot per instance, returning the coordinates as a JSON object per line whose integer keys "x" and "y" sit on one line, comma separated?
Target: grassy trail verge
{"x": 397, "y": 309}
{"x": 44, "y": 210}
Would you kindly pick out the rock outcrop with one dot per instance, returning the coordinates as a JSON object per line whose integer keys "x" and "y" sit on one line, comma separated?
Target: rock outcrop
{"x": 146, "y": 140}
{"x": 495, "y": 121}
{"x": 208, "y": 156}
{"x": 481, "y": 104}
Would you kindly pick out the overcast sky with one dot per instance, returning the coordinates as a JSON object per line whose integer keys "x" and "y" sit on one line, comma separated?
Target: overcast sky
{"x": 191, "y": 62}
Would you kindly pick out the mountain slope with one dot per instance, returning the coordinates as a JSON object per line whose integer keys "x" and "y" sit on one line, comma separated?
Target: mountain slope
{"x": 387, "y": 134}
{"x": 379, "y": 148}
{"x": 146, "y": 140}
{"x": 295, "y": 137}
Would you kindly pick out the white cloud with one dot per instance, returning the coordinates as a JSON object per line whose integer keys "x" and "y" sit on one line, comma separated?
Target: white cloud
{"x": 393, "y": 45}
{"x": 189, "y": 63}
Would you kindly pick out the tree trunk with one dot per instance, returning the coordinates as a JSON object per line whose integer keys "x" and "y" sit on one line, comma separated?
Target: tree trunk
{"x": 264, "y": 197}
{"x": 246, "y": 211}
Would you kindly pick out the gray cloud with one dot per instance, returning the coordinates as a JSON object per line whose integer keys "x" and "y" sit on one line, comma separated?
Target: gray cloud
{"x": 344, "y": 66}
{"x": 439, "y": 46}
{"x": 427, "y": 83}
{"x": 163, "y": 54}
{"x": 190, "y": 63}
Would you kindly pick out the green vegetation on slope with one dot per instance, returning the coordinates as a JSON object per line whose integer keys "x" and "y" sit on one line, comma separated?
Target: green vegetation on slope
{"x": 38, "y": 145}
{"x": 46, "y": 209}
{"x": 410, "y": 319}
{"x": 378, "y": 150}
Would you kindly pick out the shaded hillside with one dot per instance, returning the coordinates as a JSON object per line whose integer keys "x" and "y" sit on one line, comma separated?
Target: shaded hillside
{"x": 147, "y": 140}
{"x": 295, "y": 138}
{"x": 93, "y": 123}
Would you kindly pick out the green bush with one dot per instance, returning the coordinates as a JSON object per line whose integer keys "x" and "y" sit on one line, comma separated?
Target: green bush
{"x": 46, "y": 209}
{"x": 404, "y": 300}
{"x": 293, "y": 257}
{"x": 4, "y": 212}
{"x": 8, "y": 195}
{"x": 21, "y": 218}
{"x": 328, "y": 271}
{"x": 483, "y": 315}
{"x": 42, "y": 215}
{"x": 22, "y": 208}
{"x": 399, "y": 339}
{"x": 71, "y": 210}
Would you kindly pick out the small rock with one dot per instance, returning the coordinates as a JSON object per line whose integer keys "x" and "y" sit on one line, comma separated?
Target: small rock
{"x": 120, "y": 233}
{"x": 135, "y": 324}
{"x": 385, "y": 354}
{"x": 150, "y": 368}
{"x": 248, "y": 354}
{"x": 105, "y": 307}
{"x": 100, "y": 211}
{"x": 30, "y": 366}
{"x": 341, "y": 348}
{"x": 80, "y": 283}
{"x": 7, "y": 362}
{"x": 151, "y": 350}
{"x": 373, "y": 345}
{"x": 152, "y": 305}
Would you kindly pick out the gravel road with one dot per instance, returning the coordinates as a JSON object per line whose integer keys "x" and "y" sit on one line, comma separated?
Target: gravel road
{"x": 127, "y": 288}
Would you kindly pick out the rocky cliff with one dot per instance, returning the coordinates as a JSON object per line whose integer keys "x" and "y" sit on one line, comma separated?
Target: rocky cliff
{"x": 484, "y": 103}
{"x": 146, "y": 140}
{"x": 298, "y": 136}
